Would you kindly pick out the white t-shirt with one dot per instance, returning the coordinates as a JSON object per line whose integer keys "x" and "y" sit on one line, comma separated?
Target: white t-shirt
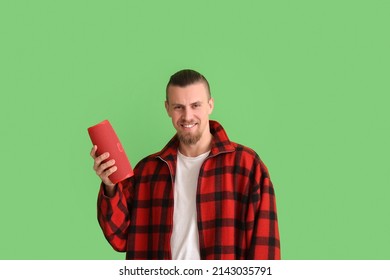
{"x": 185, "y": 236}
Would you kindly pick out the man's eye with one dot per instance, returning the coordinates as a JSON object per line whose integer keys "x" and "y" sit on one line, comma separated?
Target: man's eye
{"x": 177, "y": 107}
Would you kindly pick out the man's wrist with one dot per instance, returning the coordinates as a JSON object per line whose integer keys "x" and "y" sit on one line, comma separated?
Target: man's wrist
{"x": 109, "y": 190}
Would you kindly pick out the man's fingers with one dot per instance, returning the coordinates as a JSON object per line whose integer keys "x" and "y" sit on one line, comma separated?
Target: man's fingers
{"x": 109, "y": 171}
{"x": 103, "y": 170}
{"x": 102, "y": 167}
{"x": 93, "y": 151}
{"x": 106, "y": 180}
{"x": 99, "y": 159}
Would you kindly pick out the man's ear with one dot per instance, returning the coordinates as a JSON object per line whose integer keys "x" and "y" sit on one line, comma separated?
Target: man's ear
{"x": 167, "y": 108}
{"x": 211, "y": 105}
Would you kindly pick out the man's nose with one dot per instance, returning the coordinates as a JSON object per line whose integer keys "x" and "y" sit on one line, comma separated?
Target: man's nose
{"x": 187, "y": 114}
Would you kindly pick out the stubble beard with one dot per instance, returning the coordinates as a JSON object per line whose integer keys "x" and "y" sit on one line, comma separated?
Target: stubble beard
{"x": 188, "y": 138}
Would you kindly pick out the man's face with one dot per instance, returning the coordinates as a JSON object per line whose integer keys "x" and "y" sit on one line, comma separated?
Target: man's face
{"x": 189, "y": 108}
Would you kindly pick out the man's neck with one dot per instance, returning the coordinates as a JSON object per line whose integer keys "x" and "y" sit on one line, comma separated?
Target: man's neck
{"x": 201, "y": 147}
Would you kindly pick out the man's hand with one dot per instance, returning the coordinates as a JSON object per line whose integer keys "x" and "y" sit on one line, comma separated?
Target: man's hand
{"x": 103, "y": 170}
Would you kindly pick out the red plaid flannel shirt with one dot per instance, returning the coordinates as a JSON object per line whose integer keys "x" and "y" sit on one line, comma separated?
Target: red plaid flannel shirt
{"x": 236, "y": 208}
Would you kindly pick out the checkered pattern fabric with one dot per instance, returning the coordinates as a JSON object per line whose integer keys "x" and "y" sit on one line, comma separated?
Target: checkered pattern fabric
{"x": 236, "y": 209}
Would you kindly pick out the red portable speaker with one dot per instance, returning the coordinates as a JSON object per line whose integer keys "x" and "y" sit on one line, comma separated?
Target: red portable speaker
{"x": 104, "y": 137}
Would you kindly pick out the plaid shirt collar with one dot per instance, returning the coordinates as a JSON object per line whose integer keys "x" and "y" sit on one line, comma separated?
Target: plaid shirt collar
{"x": 220, "y": 144}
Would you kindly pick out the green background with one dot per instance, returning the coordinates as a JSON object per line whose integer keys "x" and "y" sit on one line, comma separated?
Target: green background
{"x": 304, "y": 83}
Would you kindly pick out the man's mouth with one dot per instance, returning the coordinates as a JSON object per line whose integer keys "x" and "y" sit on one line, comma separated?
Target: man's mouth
{"x": 188, "y": 126}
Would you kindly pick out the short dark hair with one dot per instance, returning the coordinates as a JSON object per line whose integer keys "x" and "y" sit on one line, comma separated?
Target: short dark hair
{"x": 185, "y": 78}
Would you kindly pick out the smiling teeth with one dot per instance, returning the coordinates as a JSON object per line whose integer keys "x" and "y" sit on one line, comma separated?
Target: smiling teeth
{"x": 188, "y": 125}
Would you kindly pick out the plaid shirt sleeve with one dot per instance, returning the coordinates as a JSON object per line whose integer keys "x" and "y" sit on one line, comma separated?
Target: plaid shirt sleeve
{"x": 264, "y": 234}
{"x": 114, "y": 216}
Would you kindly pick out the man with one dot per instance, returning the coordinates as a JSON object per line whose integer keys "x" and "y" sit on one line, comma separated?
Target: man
{"x": 201, "y": 197}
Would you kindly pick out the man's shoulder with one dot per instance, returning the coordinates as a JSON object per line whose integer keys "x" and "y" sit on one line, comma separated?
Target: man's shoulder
{"x": 248, "y": 156}
{"x": 149, "y": 167}
{"x": 150, "y": 159}
{"x": 245, "y": 151}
